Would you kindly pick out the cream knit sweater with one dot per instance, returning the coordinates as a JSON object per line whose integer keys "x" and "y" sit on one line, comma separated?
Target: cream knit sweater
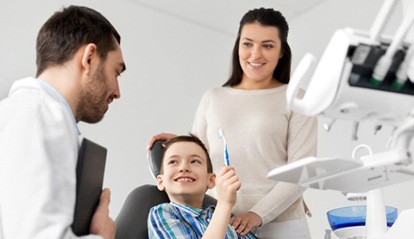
{"x": 261, "y": 134}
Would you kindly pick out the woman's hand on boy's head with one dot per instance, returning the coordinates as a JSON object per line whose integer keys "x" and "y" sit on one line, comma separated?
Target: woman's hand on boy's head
{"x": 160, "y": 136}
{"x": 227, "y": 184}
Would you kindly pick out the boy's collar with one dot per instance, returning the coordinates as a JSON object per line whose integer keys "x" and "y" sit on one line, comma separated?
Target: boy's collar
{"x": 194, "y": 211}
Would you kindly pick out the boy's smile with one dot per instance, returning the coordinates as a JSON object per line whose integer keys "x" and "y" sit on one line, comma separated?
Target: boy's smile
{"x": 184, "y": 179}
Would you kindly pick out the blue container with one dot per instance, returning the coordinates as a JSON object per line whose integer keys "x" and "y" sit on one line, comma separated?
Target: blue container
{"x": 355, "y": 216}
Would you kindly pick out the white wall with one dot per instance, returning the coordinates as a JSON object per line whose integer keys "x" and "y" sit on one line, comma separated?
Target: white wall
{"x": 171, "y": 60}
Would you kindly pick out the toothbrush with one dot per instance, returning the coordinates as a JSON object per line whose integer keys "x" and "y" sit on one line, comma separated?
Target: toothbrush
{"x": 226, "y": 153}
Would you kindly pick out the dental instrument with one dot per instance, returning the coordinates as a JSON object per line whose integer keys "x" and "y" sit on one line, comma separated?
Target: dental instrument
{"x": 226, "y": 153}
{"x": 382, "y": 67}
{"x": 402, "y": 73}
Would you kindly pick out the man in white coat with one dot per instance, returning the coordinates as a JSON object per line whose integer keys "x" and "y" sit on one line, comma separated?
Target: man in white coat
{"x": 78, "y": 62}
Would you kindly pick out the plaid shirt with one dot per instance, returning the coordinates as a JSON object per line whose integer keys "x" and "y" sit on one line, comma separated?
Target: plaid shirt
{"x": 173, "y": 220}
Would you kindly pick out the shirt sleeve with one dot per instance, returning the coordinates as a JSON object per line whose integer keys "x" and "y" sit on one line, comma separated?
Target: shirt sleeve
{"x": 37, "y": 180}
{"x": 163, "y": 223}
{"x": 301, "y": 143}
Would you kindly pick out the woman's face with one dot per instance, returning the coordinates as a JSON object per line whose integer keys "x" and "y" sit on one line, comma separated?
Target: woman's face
{"x": 259, "y": 53}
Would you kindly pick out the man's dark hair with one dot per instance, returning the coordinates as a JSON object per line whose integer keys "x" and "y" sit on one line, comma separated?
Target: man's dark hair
{"x": 67, "y": 31}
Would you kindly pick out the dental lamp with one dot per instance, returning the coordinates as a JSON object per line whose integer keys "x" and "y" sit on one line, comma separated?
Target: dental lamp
{"x": 361, "y": 76}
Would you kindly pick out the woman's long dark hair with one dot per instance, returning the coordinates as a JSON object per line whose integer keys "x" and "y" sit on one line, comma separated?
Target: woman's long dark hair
{"x": 265, "y": 17}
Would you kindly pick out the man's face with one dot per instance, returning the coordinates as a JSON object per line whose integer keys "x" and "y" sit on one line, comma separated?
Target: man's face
{"x": 102, "y": 89}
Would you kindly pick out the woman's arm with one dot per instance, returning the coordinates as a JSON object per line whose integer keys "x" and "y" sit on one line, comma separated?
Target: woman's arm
{"x": 301, "y": 143}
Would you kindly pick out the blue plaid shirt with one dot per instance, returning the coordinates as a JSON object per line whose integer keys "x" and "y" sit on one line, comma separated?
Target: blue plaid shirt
{"x": 173, "y": 220}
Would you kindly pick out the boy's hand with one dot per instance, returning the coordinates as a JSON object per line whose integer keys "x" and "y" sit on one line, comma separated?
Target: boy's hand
{"x": 101, "y": 223}
{"x": 227, "y": 184}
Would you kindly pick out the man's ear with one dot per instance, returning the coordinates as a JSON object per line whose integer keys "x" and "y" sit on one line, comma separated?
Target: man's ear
{"x": 211, "y": 181}
{"x": 159, "y": 183}
{"x": 89, "y": 54}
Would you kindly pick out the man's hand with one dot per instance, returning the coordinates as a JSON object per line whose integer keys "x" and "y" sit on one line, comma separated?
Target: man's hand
{"x": 101, "y": 223}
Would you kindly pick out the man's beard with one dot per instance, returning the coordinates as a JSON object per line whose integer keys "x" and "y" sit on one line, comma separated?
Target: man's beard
{"x": 93, "y": 101}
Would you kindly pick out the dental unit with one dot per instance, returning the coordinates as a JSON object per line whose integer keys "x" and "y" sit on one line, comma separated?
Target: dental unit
{"x": 362, "y": 76}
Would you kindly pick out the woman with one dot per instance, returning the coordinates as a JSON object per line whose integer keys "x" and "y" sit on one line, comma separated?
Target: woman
{"x": 261, "y": 132}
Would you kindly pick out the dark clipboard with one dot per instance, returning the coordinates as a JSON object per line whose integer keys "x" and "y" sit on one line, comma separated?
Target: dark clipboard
{"x": 90, "y": 170}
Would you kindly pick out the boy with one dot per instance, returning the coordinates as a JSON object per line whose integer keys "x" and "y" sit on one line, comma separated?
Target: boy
{"x": 186, "y": 174}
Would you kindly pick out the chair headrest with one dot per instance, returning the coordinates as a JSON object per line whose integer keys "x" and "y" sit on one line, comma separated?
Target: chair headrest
{"x": 155, "y": 157}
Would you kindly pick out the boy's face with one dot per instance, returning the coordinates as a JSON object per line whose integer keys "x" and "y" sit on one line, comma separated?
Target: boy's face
{"x": 185, "y": 177}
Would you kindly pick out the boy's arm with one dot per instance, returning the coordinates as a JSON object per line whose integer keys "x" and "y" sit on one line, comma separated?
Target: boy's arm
{"x": 227, "y": 184}
{"x": 218, "y": 225}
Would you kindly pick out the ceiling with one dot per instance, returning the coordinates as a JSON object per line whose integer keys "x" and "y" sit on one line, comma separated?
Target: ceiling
{"x": 224, "y": 20}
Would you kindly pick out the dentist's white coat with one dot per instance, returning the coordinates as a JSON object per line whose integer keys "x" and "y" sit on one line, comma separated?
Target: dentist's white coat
{"x": 39, "y": 143}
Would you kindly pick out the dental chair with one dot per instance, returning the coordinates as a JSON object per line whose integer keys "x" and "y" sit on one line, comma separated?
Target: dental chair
{"x": 131, "y": 222}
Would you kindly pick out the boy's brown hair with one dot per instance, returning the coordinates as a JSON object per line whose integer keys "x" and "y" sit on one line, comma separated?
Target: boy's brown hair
{"x": 188, "y": 138}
